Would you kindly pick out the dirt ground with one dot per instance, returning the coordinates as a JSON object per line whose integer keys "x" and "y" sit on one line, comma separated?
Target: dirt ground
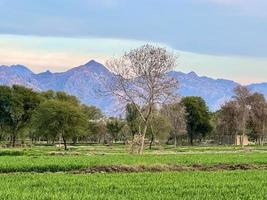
{"x": 166, "y": 168}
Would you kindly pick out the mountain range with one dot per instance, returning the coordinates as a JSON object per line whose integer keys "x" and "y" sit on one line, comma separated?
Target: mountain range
{"x": 84, "y": 81}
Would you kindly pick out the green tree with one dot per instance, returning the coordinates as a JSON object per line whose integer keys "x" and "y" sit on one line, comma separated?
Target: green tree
{"x": 59, "y": 95}
{"x": 17, "y": 106}
{"x": 101, "y": 131}
{"x": 133, "y": 119}
{"x": 59, "y": 119}
{"x": 62, "y": 96}
{"x": 93, "y": 116}
{"x": 198, "y": 118}
{"x": 5, "y": 105}
{"x": 114, "y": 127}
{"x": 159, "y": 127}
{"x": 91, "y": 112}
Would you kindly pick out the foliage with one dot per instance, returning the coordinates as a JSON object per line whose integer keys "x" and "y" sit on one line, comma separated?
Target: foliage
{"x": 91, "y": 112}
{"x": 133, "y": 119}
{"x": 228, "y": 119}
{"x": 176, "y": 115}
{"x": 198, "y": 117}
{"x": 159, "y": 126}
{"x": 114, "y": 128}
{"x": 245, "y": 114}
{"x": 55, "y": 118}
{"x": 17, "y": 105}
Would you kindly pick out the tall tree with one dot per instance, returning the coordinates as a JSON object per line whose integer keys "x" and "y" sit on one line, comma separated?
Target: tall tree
{"x": 258, "y": 116}
{"x": 198, "y": 118}
{"x": 241, "y": 97}
{"x": 159, "y": 127}
{"x": 176, "y": 115}
{"x": 228, "y": 119}
{"x": 5, "y": 106}
{"x": 17, "y": 105}
{"x": 141, "y": 79}
{"x": 114, "y": 127}
{"x": 56, "y": 118}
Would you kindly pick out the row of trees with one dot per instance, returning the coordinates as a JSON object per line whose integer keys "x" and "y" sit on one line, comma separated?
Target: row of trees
{"x": 245, "y": 114}
{"x": 154, "y": 110}
{"x": 49, "y": 115}
{"x": 55, "y": 116}
{"x": 172, "y": 122}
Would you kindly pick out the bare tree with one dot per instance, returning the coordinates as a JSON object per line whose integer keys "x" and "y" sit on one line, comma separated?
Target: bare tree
{"x": 241, "y": 96}
{"x": 228, "y": 120}
{"x": 141, "y": 79}
{"x": 258, "y": 116}
{"x": 177, "y": 116}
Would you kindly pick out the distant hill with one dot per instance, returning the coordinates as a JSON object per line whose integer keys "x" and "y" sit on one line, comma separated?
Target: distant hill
{"x": 214, "y": 91}
{"x": 86, "y": 80}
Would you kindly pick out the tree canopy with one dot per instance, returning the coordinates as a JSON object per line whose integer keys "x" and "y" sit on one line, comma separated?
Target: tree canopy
{"x": 56, "y": 118}
{"x": 198, "y": 118}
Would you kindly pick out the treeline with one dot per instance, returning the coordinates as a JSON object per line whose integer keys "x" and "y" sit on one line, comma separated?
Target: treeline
{"x": 56, "y": 117}
{"x": 154, "y": 111}
{"x": 244, "y": 115}
{"x": 49, "y": 116}
{"x": 189, "y": 121}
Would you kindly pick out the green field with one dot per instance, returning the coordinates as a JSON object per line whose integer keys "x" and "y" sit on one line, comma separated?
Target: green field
{"x": 67, "y": 163}
{"x": 183, "y": 185}
{"x": 27, "y": 173}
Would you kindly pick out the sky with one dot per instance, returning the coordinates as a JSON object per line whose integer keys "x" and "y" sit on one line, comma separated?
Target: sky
{"x": 215, "y": 38}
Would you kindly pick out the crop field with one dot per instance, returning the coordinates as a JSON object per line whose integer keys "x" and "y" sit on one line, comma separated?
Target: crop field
{"x": 183, "y": 185}
{"x": 46, "y": 172}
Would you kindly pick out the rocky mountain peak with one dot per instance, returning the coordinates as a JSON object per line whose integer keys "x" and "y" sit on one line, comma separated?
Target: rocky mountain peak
{"x": 83, "y": 81}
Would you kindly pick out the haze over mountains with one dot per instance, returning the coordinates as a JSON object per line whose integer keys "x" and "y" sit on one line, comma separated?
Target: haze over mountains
{"x": 84, "y": 82}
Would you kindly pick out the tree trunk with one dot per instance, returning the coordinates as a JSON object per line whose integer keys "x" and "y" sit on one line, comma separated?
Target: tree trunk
{"x": 242, "y": 137}
{"x": 13, "y": 140}
{"x": 152, "y": 137}
{"x": 260, "y": 140}
{"x": 151, "y": 141}
{"x": 65, "y": 143}
{"x": 191, "y": 139}
{"x": 180, "y": 137}
{"x": 74, "y": 140}
{"x": 262, "y": 136}
{"x": 143, "y": 139}
{"x": 175, "y": 140}
{"x": 243, "y": 127}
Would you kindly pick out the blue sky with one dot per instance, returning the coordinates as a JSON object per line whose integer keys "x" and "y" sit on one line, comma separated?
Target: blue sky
{"x": 217, "y": 38}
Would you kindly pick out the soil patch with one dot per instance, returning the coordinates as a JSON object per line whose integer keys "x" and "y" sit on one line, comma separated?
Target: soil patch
{"x": 166, "y": 168}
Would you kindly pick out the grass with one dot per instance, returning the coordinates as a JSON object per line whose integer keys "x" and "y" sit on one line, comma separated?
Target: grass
{"x": 67, "y": 162}
{"x": 230, "y": 185}
{"x": 33, "y": 178}
{"x": 120, "y": 149}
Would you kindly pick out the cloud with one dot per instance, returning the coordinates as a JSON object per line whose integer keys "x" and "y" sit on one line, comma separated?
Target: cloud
{"x": 57, "y": 53}
{"x": 243, "y": 70}
{"x": 60, "y": 54}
